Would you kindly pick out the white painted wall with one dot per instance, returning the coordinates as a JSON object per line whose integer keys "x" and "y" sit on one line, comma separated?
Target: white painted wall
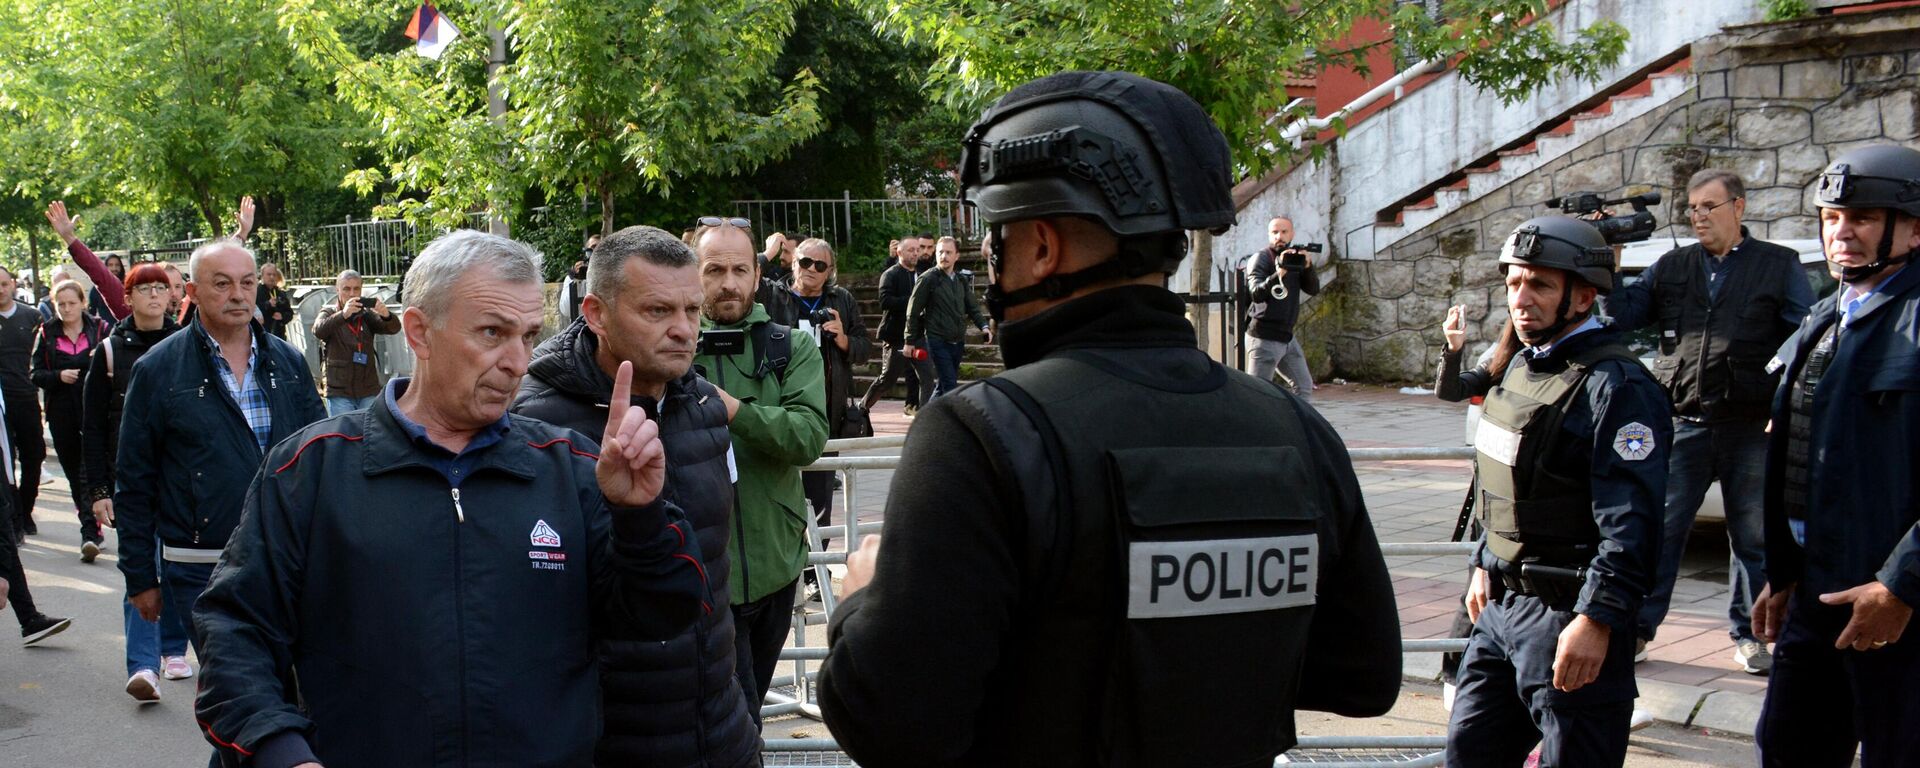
{"x": 1440, "y": 128}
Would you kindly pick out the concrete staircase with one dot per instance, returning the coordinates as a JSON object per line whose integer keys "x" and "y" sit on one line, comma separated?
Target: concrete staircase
{"x": 1611, "y": 109}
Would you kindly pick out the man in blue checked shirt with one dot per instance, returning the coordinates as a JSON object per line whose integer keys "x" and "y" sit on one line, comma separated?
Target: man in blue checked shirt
{"x": 202, "y": 408}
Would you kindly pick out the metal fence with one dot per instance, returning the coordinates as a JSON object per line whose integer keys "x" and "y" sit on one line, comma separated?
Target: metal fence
{"x": 376, "y": 248}
{"x": 849, "y": 223}
{"x": 793, "y": 694}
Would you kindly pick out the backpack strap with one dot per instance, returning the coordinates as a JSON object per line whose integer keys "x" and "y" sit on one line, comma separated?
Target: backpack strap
{"x": 772, "y": 349}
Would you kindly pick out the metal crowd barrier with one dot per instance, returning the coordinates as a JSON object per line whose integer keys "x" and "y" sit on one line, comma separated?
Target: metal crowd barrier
{"x": 1382, "y": 751}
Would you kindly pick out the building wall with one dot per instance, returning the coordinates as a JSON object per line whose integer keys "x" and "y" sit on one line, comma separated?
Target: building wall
{"x": 1773, "y": 102}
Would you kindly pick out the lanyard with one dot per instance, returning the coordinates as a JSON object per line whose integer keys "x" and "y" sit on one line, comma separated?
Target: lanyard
{"x": 812, "y": 306}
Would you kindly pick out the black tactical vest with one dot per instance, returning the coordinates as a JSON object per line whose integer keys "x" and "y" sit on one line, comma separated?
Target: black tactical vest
{"x": 1714, "y": 348}
{"x": 1530, "y": 510}
{"x": 1172, "y": 560}
{"x": 1798, "y": 480}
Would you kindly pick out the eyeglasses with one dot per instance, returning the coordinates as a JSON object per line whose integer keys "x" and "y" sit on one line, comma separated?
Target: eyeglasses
{"x": 715, "y": 221}
{"x": 152, "y": 289}
{"x": 807, "y": 262}
{"x": 1702, "y": 210}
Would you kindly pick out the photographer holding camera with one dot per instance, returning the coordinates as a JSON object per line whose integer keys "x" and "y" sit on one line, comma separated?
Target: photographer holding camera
{"x": 346, "y": 330}
{"x": 1721, "y": 308}
{"x": 1275, "y": 277}
{"x": 814, "y": 307}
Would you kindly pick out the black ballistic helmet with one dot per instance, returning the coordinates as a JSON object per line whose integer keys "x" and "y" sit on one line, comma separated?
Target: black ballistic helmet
{"x": 1139, "y": 156}
{"x": 1885, "y": 176}
{"x": 1564, "y": 243}
{"x": 1136, "y": 154}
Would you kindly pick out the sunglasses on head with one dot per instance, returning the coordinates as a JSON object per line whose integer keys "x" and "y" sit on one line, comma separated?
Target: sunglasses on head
{"x": 732, "y": 221}
{"x": 808, "y": 262}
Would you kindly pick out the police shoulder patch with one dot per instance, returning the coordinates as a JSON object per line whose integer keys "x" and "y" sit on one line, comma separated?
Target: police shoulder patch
{"x": 1633, "y": 442}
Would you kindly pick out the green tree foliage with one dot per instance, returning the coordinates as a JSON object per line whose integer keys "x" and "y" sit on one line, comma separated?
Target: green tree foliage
{"x": 150, "y": 103}
{"x": 602, "y": 98}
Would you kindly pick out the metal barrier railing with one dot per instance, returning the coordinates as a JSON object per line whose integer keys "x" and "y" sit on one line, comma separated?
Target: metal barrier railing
{"x": 820, "y": 558}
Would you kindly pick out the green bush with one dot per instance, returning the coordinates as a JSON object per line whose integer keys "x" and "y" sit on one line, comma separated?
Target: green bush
{"x": 1783, "y": 10}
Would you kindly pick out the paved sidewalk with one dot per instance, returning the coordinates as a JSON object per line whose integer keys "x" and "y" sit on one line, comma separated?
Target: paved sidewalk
{"x": 1689, "y": 680}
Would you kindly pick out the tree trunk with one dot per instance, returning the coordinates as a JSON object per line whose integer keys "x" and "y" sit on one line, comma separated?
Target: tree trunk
{"x": 606, "y": 206}
{"x": 33, "y": 264}
{"x": 1201, "y": 283}
{"x": 203, "y": 201}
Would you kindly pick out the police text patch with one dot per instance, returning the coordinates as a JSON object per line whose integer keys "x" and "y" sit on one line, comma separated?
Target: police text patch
{"x": 1497, "y": 442}
{"x": 1633, "y": 442}
{"x": 1202, "y": 578}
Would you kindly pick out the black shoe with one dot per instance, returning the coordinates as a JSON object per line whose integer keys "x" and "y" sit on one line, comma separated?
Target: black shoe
{"x": 42, "y": 627}
{"x": 27, "y": 527}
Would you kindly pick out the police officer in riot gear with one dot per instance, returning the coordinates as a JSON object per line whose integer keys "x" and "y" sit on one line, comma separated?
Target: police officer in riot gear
{"x": 1842, "y": 499}
{"x": 1118, "y": 552}
{"x": 1572, "y": 469}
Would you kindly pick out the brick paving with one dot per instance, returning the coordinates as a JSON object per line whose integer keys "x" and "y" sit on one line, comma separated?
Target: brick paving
{"x": 1418, "y": 501}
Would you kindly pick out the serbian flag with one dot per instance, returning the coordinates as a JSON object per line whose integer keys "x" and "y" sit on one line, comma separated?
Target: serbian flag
{"x": 431, "y": 32}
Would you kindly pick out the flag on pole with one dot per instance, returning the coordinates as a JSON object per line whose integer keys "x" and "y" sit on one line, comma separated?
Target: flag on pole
{"x": 431, "y": 32}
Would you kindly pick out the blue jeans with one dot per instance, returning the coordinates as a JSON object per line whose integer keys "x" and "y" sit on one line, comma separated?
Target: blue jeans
{"x": 340, "y": 405}
{"x": 1735, "y": 453}
{"x": 147, "y": 641}
{"x": 946, "y": 364}
{"x": 180, "y": 585}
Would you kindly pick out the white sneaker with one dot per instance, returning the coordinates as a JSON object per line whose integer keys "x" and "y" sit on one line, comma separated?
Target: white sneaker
{"x": 1753, "y": 657}
{"x": 176, "y": 668}
{"x": 1639, "y": 651}
{"x": 1641, "y": 719}
{"x": 1447, "y": 692}
{"x": 144, "y": 687}
{"x": 89, "y": 551}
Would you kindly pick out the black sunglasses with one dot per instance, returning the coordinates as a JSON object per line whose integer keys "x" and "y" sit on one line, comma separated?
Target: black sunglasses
{"x": 816, "y": 265}
{"x": 714, "y": 221}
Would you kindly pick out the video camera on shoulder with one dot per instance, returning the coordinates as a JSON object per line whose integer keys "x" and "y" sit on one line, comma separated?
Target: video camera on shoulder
{"x": 1618, "y": 230}
{"x": 721, "y": 342}
{"x": 1294, "y": 256}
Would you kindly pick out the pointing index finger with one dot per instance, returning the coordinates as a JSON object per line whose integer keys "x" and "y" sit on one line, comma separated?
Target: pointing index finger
{"x": 621, "y": 401}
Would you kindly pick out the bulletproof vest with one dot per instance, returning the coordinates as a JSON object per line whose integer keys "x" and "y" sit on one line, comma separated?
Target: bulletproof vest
{"x": 1798, "y": 479}
{"x": 1531, "y": 510}
{"x": 1714, "y": 348}
{"x": 1171, "y": 575}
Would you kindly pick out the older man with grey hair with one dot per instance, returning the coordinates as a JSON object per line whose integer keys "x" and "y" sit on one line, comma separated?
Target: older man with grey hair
{"x": 202, "y": 407}
{"x": 435, "y": 572}
{"x": 346, "y": 330}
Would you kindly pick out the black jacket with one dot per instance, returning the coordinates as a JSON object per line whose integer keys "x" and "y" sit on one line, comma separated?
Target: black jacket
{"x": 1864, "y": 521}
{"x": 186, "y": 451}
{"x": 1714, "y": 344}
{"x": 49, "y": 361}
{"x": 958, "y": 589}
{"x": 273, "y": 300}
{"x": 16, "y": 350}
{"x": 786, "y": 309}
{"x": 370, "y": 612}
{"x": 1270, "y": 318}
{"x": 678, "y": 702}
{"x": 896, "y": 286}
{"x": 105, "y": 397}
{"x": 941, "y": 307}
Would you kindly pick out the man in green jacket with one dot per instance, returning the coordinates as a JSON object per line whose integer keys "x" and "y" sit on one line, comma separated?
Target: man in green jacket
{"x": 938, "y": 312}
{"x": 777, "y": 416}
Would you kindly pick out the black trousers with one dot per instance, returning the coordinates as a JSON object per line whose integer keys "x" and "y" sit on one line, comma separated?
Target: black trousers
{"x": 759, "y": 632}
{"x": 893, "y": 368}
{"x": 1507, "y": 703}
{"x": 11, "y": 569}
{"x": 1823, "y": 702}
{"x": 30, "y": 446}
{"x": 63, "y": 421}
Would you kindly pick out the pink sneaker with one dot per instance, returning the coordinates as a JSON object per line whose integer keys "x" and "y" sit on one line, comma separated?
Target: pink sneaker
{"x": 176, "y": 668}
{"x": 144, "y": 687}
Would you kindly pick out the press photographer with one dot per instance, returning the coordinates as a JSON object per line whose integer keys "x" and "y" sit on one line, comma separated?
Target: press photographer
{"x": 1275, "y": 278}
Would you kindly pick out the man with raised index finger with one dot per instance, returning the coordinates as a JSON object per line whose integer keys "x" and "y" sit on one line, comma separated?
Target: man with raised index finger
{"x": 433, "y": 571}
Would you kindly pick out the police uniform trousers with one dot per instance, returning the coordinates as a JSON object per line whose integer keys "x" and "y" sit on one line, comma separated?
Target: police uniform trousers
{"x": 1506, "y": 701}
{"x": 1823, "y": 702}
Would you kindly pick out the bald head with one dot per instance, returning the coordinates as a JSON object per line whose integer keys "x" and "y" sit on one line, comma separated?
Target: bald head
{"x": 1280, "y": 232}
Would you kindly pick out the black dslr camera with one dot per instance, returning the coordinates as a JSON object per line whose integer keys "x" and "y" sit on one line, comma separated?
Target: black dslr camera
{"x": 819, "y": 317}
{"x": 1292, "y": 255}
{"x": 1618, "y": 230}
{"x": 720, "y": 342}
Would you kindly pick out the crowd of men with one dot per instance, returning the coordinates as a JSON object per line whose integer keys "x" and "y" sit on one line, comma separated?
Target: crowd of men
{"x": 587, "y": 550}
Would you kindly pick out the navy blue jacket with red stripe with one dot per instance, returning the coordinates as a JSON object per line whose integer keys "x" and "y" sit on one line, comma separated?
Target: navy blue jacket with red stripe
{"x": 366, "y": 612}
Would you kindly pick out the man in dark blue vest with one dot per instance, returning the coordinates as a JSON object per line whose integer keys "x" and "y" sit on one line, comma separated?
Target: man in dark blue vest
{"x": 1162, "y": 558}
{"x": 1572, "y": 465}
{"x": 1721, "y": 306}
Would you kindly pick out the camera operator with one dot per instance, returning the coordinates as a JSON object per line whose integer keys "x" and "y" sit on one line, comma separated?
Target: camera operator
{"x": 814, "y": 307}
{"x": 346, "y": 330}
{"x": 1275, "y": 278}
{"x": 1721, "y": 307}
